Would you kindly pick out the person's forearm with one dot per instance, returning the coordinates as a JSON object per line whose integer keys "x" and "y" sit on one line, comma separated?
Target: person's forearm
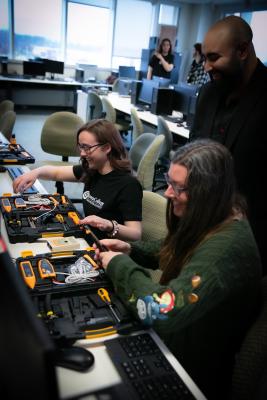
{"x": 128, "y": 233}
{"x": 149, "y": 73}
{"x": 50, "y": 172}
{"x": 168, "y": 67}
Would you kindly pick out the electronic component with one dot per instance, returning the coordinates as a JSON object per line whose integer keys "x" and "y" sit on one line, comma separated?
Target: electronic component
{"x": 63, "y": 243}
{"x": 46, "y": 269}
{"x": 6, "y": 205}
{"x": 27, "y": 273}
{"x": 20, "y": 203}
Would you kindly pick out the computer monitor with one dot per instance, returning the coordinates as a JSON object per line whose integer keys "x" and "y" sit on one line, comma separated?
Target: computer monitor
{"x": 90, "y": 71}
{"x": 26, "y": 349}
{"x": 163, "y": 82}
{"x": 54, "y": 67}
{"x": 127, "y": 72}
{"x": 33, "y": 68}
{"x": 124, "y": 87}
{"x": 146, "y": 91}
{"x": 183, "y": 93}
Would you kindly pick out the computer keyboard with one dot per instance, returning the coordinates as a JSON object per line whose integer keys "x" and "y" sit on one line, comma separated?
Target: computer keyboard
{"x": 14, "y": 172}
{"x": 145, "y": 370}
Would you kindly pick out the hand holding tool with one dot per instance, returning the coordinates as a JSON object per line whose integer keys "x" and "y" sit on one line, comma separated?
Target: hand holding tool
{"x": 104, "y": 295}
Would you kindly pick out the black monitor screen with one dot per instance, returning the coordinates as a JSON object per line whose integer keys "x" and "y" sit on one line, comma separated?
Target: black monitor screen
{"x": 33, "y": 68}
{"x": 163, "y": 82}
{"x": 25, "y": 345}
{"x": 146, "y": 91}
{"x": 127, "y": 72}
{"x": 183, "y": 94}
{"x": 55, "y": 67}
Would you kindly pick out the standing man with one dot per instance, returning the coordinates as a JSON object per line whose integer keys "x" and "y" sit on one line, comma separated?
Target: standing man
{"x": 231, "y": 109}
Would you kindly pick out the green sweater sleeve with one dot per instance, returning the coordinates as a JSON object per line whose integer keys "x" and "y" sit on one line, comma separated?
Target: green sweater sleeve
{"x": 146, "y": 253}
{"x": 221, "y": 266}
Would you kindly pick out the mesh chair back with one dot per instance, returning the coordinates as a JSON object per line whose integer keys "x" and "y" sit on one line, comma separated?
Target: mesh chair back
{"x": 139, "y": 147}
{"x": 7, "y": 122}
{"x": 146, "y": 168}
{"x": 163, "y": 129}
{"x": 154, "y": 216}
{"x": 109, "y": 110}
{"x": 137, "y": 125}
{"x": 59, "y": 133}
{"x": 6, "y": 105}
{"x": 94, "y": 106}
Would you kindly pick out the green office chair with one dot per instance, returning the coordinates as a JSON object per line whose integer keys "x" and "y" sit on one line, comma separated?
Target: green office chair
{"x": 137, "y": 125}
{"x": 7, "y": 122}
{"x": 122, "y": 125}
{"x": 144, "y": 155}
{"x": 6, "y": 105}
{"x": 94, "y": 106}
{"x": 58, "y": 137}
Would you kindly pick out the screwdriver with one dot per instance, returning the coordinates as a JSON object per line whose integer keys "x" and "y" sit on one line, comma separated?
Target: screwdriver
{"x": 104, "y": 295}
{"x": 60, "y": 218}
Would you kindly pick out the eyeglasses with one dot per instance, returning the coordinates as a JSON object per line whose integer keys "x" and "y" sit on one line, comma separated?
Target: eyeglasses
{"x": 177, "y": 189}
{"x": 87, "y": 148}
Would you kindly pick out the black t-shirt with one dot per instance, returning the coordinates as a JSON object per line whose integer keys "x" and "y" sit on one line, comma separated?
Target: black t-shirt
{"x": 158, "y": 69}
{"x": 116, "y": 195}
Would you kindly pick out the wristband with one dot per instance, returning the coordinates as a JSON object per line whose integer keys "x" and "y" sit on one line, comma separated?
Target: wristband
{"x": 115, "y": 229}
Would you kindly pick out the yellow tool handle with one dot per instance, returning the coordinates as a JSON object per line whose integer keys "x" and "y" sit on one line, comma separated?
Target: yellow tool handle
{"x": 74, "y": 216}
{"x": 60, "y": 218}
{"x": 103, "y": 293}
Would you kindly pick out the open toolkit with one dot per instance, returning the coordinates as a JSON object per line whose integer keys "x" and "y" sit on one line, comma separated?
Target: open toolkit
{"x": 14, "y": 154}
{"x": 32, "y": 216}
{"x": 72, "y": 296}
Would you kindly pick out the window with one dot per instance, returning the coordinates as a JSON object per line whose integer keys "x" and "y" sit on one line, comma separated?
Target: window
{"x": 37, "y": 30}
{"x": 89, "y": 38}
{"x": 168, "y": 15}
{"x": 4, "y": 29}
{"x": 132, "y": 31}
{"x": 258, "y": 26}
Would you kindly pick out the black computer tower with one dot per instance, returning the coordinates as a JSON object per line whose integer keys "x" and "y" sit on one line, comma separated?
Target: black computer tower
{"x": 135, "y": 90}
{"x": 162, "y": 101}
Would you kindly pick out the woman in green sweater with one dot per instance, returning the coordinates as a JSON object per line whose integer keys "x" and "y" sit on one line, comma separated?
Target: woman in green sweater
{"x": 208, "y": 292}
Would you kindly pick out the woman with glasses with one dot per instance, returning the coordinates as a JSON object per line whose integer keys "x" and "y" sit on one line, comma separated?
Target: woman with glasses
{"x": 209, "y": 287}
{"x": 112, "y": 197}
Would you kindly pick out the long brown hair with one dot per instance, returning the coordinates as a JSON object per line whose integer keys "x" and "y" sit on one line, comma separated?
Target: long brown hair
{"x": 211, "y": 192}
{"x": 106, "y": 132}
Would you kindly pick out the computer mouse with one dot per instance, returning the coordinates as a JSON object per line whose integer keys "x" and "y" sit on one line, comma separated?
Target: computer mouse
{"x": 76, "y": 358}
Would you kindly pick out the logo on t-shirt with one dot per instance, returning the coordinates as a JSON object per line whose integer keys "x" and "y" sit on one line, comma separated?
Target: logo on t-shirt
{"x": 92, "y": 200}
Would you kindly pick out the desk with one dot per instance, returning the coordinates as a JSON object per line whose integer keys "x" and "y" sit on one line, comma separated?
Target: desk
{"x": 40, "y": 92}
{"x": 124, "y": 105}
{"x": 103, "y": 373}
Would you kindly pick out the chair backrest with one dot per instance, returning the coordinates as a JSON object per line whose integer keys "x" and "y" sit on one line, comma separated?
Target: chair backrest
{"x": 115, "y": 86}
{"x": 251, "y": 361}
{"x": 59, "y": 133}
{"x": 94, "y": 106}
{"x": 154, "y": 216}
{"x": 146, "y": 168}
{"x": 7, "y": 122}
{"x": 6, "y": 105}
{"x": 163, "y": 129}
{"x": 137, "y": 125}
{"x": 109, "y": 110}
{"x": 139, "y": 147}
